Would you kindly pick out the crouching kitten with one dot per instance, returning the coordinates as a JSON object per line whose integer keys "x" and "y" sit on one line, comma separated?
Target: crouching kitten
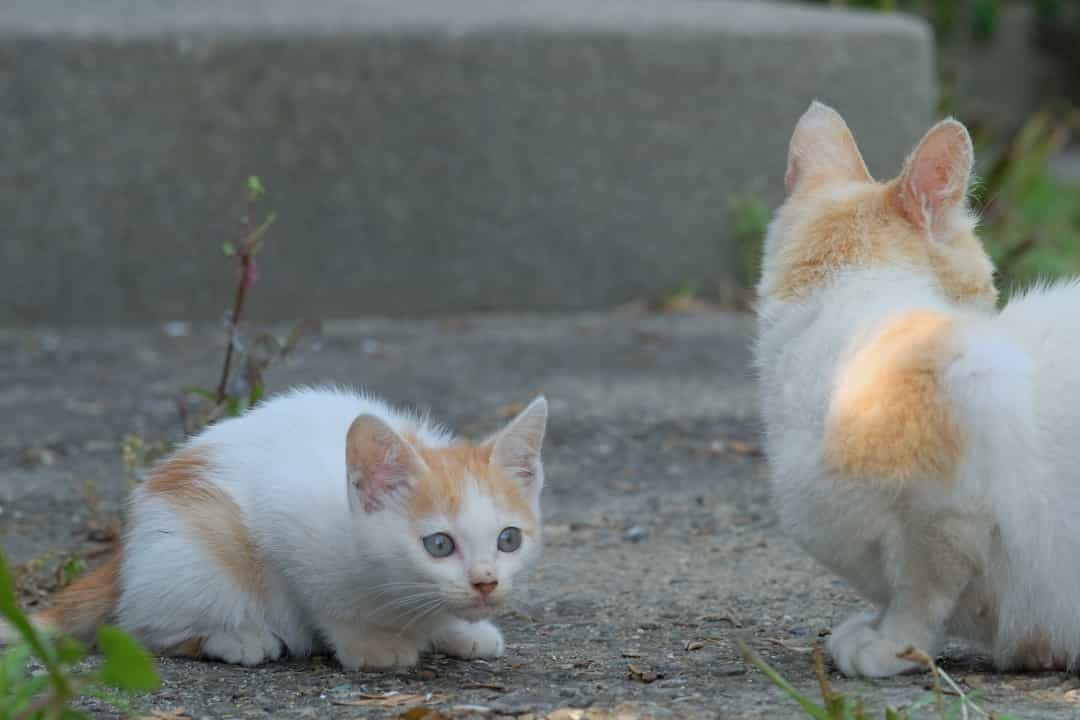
{"x": 322, "y": 519}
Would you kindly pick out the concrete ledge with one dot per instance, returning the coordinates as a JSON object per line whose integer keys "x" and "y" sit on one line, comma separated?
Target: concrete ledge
{"x": 423, "y": 157}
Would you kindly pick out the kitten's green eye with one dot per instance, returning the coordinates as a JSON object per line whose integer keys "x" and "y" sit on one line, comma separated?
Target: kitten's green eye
{"x": 510, "y": 539}
{"x": 439, "y": 545}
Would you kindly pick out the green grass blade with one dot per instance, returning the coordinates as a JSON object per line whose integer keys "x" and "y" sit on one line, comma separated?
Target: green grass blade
{"x": 808, "y": 705}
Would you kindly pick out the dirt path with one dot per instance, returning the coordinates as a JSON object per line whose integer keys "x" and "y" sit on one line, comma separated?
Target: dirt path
{"x": 662, "y": 551}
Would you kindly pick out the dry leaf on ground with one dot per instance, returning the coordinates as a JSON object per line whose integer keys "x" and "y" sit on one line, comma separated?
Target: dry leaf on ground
{"x": 390, "y": 699}
{"x": 644, "y": 675}
{"x": 422, "y": 712}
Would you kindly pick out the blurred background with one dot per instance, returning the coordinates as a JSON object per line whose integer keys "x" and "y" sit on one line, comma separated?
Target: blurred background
{"x": 429, "y": 158}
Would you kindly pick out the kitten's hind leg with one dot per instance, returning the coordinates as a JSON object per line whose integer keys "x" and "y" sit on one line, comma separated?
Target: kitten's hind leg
{"x": 469, "y": 640}
{"x": 928, "y": 567}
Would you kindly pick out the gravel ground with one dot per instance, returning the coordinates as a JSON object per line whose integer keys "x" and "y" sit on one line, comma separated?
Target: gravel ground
{"x": 662, "y": 550}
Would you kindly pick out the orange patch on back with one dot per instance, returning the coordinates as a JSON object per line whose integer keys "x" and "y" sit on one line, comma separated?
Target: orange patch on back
{"x": 214, "y": 516}
{"x": 890, "y": 421}
{"x": 442, "y": 489}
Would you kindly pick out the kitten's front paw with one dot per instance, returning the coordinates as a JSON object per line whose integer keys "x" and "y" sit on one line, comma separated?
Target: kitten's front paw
{"x": 248, "y": 646}
{"x": 469, "y": 640}
{"x": 861, "y": 650}
{"x": 375, "y": 651}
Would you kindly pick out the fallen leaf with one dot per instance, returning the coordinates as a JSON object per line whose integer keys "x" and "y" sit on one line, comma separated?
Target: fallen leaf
{"x": 422, "y": 712}
{"x": 390, "y": 699}
{"x": 641, "y": 674}
{"x": 631, "y": 654}
{"x": 692, "y": 645}
{"x": 912, "y": 654}
{"x": 178, "y": 714}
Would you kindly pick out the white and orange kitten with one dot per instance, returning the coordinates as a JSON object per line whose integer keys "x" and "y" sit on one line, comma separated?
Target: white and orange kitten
{"x": 322, "y": 519}
{"x": 920, "y": 443}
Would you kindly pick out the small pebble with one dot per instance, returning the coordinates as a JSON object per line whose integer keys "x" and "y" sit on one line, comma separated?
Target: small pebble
{"x": 634, "y": 534}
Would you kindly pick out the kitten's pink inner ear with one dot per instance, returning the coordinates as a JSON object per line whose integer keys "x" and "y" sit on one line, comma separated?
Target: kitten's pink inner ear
{"x": 823, "y": 150}
{"x": 936, "y": 176}
{"x": 517, "y": 447}
{"x": 380, "y": 462}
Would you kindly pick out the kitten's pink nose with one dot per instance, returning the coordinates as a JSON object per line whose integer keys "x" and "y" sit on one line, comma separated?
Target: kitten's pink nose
{"x": 486, "y": 588}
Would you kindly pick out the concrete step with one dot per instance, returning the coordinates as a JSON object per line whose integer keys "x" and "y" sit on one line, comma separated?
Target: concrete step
{"x": 423, "y": 157}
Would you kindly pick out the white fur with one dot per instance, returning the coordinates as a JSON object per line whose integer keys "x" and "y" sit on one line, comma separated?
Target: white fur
{"x": 334, "y": 576}
{"x": 988, "y": 556}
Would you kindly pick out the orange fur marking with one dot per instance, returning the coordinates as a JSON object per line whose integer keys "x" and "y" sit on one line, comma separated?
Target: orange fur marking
{"x": 193, "y": 648}
{"x": 890, "y": 421}
{"x": 1034, "y": 653}
{"x": 440, "y": 491}
{"x": 868, "y": 229}
{"x": 83, "y": 605}
{"x": 215, "y": 517}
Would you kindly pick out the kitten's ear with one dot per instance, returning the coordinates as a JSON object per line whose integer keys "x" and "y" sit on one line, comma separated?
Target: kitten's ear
{"x": 517, "y": 446}
{"x": 823, "y": 150}
{"x": 936, "y": 176}
{"x": 380, "y": 462}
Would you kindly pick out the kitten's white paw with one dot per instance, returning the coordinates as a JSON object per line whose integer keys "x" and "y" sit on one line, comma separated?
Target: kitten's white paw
{"x": 854, "y": 624}
{"x": 375, "y": 652}
{"x": 861, "y": 650}
{"x": 469, "y": 640}
{"x": 248, "y": 646}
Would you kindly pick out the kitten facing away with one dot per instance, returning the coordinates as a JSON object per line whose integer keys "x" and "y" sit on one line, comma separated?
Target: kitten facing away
{"x": 322, "y": 520}
{"x": 921, "y": 444}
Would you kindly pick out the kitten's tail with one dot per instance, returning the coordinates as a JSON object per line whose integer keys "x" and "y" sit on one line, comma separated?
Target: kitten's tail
{"x": 80, "y": 608}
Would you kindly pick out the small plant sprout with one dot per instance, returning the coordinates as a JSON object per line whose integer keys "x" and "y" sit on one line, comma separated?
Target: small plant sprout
{"x": 241, "y": 384}
{"x": 837, "y": 706}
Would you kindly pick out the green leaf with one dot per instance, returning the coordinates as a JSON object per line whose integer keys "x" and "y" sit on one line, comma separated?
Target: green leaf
{"x": 74, "y": 566}
{"x": 8, "y": 606}
{"x": 14, "y": 664}
{"x": 808, "y": 706}
{"x": 256, "y": 394}
{"x": 70, "y": 714}
{"x": 26, "y": 690}
{"x": 255, "y": 187}
{"x": 127, "y": 665}
{"x": 70, "y": 650}
{"x": 228, "y": 248}
{"x": 9, "y": 609}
